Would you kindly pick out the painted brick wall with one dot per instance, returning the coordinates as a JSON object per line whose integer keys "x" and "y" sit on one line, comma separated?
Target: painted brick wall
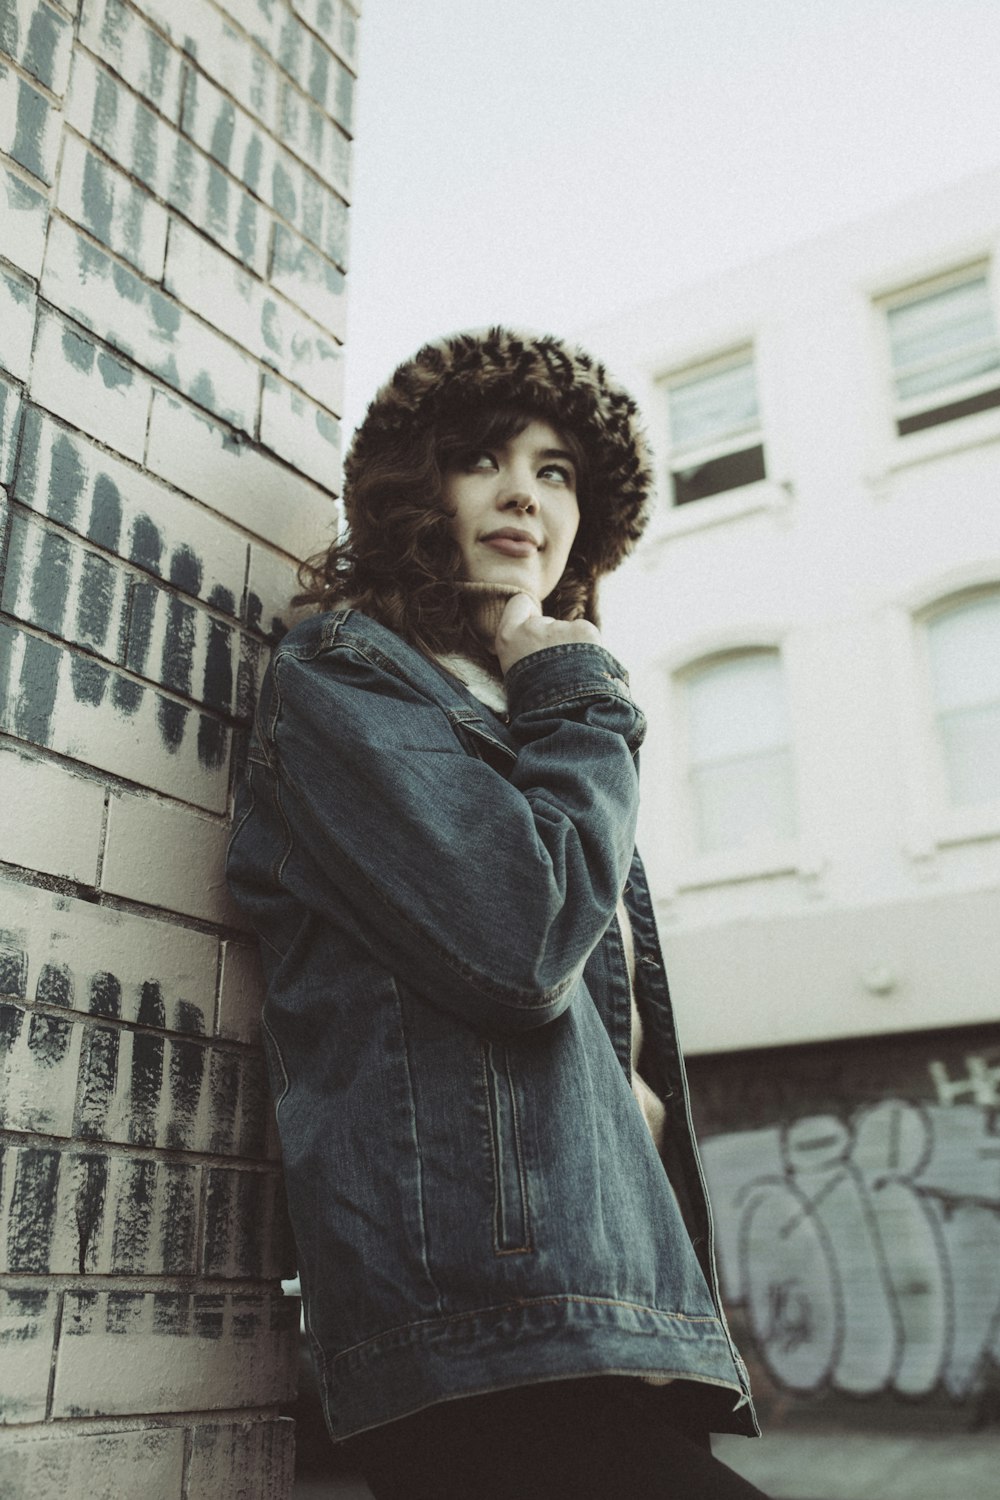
{"x": 173, "y": 186}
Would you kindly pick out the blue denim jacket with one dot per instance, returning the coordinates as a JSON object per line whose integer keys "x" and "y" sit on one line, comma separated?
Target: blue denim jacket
{"x": 477, "y": 1202}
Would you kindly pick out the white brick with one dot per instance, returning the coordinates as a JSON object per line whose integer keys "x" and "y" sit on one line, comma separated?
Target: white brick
{"x": 155, "y": 331}
{"x": 104, "y": 962}
{"x": 89, "y": 387}
{"x": 166, "y": 856}
{"x": 226, "y": 133}
{"x": 10, "y": 427}
{"x": 245, "y": 1461}
{"x": 52, "y": 819}
{"x": 213, "y": 285}
{"x": 308, "y": 279}
{"x": 66, "y": 477}
{"x": 272, "y": 584}
{"x": 42, "y": 41}
{"x": 101, "y": 108}
{"x": 241, "y": 992}
{"x": 140, "y": 55}
{"x": 78, "y": 707}
{"x": 302, "y": 433}
{"x": 17, "y": 320}
{"x": 27, "y": 1336}
{"x": 29, "y": 126}
{"x": 299, "y": 51}
{"x": 68, "y": 590}
{"x": 237, "y": 480}
{"x": 184, "y": 1352}
{"x": 113, "y": 209}
{"x": 220, "y": 50}
{"x": 314, "y": 137}
{"x": 24, "y": 215}
{"x": 99, "y": 1465}
{"x": 336, "y": 22}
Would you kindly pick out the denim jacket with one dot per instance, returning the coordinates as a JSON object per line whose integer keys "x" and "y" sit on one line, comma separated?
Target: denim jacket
{"x": 476, "y": 1200}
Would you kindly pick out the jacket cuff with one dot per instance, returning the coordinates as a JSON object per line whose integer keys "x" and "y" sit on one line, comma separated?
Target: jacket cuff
{"x": 573, "y": 671}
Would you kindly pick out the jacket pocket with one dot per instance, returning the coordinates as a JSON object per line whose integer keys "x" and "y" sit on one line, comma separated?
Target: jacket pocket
{"x": 511, "y": 1228}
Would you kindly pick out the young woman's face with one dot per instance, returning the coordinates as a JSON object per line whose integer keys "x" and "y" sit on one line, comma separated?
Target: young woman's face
{"x": 515, "y": 511}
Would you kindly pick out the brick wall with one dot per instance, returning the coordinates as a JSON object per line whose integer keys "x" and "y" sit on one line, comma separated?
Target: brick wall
{"x": 173, "y": 180}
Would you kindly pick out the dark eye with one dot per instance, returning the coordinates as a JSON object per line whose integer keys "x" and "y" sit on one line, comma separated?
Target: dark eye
{"x": 477, "y": 458}
{"x": 560, "y": 473}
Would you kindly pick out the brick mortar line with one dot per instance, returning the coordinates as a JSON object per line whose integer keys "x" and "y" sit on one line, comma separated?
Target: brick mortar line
{"x": 140, "y": 1028}
{"x": 61, "y": 885}
{"x": 231, "y": 21}
{"x": 53, "y": 1363}
{"x": 19, "y": 71}
{"x": 130, "y": 359}
{"x": 108, "y": 779}
{"x": 206, "y": 1286}
{"x": 28, "y": 178}
{"x": 268, "y": 130}
{"x": 29, "y": 1432}
{"x": 260, "y": 1166}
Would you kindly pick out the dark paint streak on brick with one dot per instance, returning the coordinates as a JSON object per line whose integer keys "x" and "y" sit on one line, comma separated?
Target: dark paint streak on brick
{"x": 178, "y": 1220}
{"x": 144, "y": 146}
{"x": 166, "y": 314}
{"x": 13, "y": 968}
{"x": 255, "y": 611}
{"x": 43, "y": 38}
{"x": 48, "y": 1040}
{"x": 66, "y": 475}
{"x": 177, "y": 656}
{"x": 99, "y": 1070}
{"x": 246, "y": 229}
{"x": 283, "y": 192}
{"x": 144, "y": 1092}
{"x": 140, "y": 631}
{"x": 91, "y": 1175}
{"x": 105, "y": 112}
{"x": 223, "y": 1085}
{"x": 39, "y": 684}
{"x": 89, "y": 680}
{"x": 171, "y": 718}
{"x": 97, "y": 591}
{"x": 185, "y": 570}
{"x": 319, "y": 74}
{"x": 127, "y": 695}
{"x": 55, "y": 985}
{"x": 222, "y": 134}
{"x": 218, "y": 198}
{"x": 222, "y": 599}
{"x": 254, "y": 1105}
{"x": 32, "y": 118}
{"x": 152, "y": 1011}
{"x": 105, "y": 514}
{"x": 11, "y": 1016}
{"x": 113, "y": 25}
{"x": 182, "y": 178}
{"x": 79, "y": 352}
{"x": 212, "y": 740}
{"x": 171, "y": 1313}
{"x": 189, "y": 1017}
{"x": 50, "y": 582}
{"x": 146, "y": 547}
{"x": 10, "y": 39}
{"x": 105, "y": 995}
{"x": 133, "y": 1218}
{"x": 218, "y": 1215}
{"x": 208, "y": 1315}
{"x": 187, "y": 1070}
{"x": 32, "y": 1221}
{"x": 217, "y": 689}
{"x": 97, "y": 198}
{"x": 123, "y": 1312}
{"x": 159, "y": 54}
{"x": 114, "y": 374}
{"x": 252, "y": 161}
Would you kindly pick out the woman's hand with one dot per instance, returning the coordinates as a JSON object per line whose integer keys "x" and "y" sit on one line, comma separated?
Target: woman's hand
{"x": 523, "y": 629}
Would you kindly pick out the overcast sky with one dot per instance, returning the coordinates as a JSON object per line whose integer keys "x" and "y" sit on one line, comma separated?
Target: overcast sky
{"x": 549, "y": 162}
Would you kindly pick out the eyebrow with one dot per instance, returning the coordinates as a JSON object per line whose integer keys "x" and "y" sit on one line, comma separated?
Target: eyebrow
{"x": 555, "y": 453}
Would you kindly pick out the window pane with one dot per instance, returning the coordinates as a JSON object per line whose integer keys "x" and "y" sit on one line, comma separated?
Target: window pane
{"x": 713, "y": 477}
{"x": 744, "y": 802}
{"x": 965, "y": 654}
{"x": 971, "y": 742}
{"x": 736, "y": 707}
{"x": 713, "y": 407}
{"x": 943, "y": 338}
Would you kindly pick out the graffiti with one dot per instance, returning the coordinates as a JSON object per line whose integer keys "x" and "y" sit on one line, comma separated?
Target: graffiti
{"x": 865, "y": 1251}
{"x": 981, "y": 1084}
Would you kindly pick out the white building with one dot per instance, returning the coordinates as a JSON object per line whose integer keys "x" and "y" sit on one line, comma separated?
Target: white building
{"x": 813, "y": 625}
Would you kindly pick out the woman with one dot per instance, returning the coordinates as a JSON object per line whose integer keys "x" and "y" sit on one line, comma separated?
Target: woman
{"x": 481, "y": 1103}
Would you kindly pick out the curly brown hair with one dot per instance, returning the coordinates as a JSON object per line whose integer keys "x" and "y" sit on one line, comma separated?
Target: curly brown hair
{"x": 399, "y": 562}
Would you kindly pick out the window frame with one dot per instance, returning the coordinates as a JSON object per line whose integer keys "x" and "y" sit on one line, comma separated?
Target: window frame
{"x": 678, "y": 459}
{"x": 957, "y": 820}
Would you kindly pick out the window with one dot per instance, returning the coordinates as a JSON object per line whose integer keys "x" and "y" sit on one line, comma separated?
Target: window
{"x": 964, "y": 644}
{"x": 714, "y": 429}
{"x": 945, "y": 351}
{"x": 739, "y": 752}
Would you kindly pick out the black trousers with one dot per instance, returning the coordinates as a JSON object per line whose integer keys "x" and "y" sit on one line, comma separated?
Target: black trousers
{"x": 602, "y": 1438}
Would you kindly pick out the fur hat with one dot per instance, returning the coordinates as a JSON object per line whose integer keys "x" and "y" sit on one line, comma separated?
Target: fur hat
{"x": 565, "y": 386}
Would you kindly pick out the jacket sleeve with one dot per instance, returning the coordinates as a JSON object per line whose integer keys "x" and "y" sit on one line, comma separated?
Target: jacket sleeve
{"x": 485, "y": 894}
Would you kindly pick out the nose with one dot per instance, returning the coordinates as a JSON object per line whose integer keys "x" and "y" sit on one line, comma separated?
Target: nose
{"x": 519, "y": 494}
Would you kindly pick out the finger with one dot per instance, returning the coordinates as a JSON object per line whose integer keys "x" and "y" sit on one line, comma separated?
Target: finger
{"x": 517, "y": 610}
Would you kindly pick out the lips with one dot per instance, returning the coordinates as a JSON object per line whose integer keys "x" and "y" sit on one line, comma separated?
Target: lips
{"x": 510, "y": 542}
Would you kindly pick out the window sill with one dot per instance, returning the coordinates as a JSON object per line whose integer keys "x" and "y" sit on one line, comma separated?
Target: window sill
{"x": 717, "y": 510}
{"x": 968, "y": 827}
{"x": 739, "y": 865}
{"x": 938, "y": 442}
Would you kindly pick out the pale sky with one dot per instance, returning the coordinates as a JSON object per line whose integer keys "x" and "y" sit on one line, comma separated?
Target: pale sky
{"x": 547, "y": 163}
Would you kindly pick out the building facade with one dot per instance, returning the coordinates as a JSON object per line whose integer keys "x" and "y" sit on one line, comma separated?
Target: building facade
{"x": 173, "y": 212}
{"x": 813, "y": 625}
